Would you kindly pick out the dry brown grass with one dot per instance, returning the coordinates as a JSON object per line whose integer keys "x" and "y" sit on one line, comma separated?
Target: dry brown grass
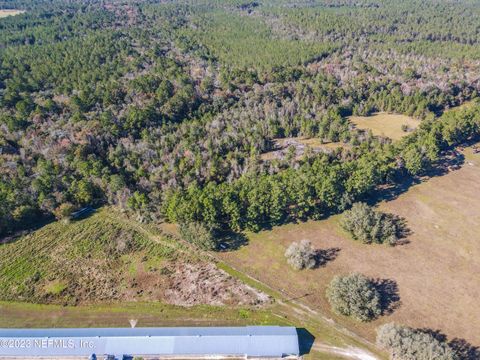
{"x": 384, "y": 124}
{"x": 6, "y": 12}
{"x": 437, "y": 273}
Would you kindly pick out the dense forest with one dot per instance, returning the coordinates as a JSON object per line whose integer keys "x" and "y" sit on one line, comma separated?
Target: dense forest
{"x": 164, "y": 108}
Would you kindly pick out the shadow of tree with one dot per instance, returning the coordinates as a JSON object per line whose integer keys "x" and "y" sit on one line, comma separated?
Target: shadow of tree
{"x": 389, "y": 296}
{"x": 464, "y": 349}
{"x": 324, "y": 256}
{"x": 230, "y": 240}
{"x": 450, "y": 160}
{"x": 391, "y": 191}
{"x": 305, "y": 340}
{"x": 82, "y": 214}
{"x": 33, "y": 226}
{"x": 402, "y": 230}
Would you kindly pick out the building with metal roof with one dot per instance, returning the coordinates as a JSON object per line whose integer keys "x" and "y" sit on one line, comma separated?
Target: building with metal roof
{"x": 119, "y": 343}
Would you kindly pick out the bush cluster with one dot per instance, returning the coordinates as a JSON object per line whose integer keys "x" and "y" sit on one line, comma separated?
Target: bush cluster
{"x": 301, "y": 255}
{"x": 405, "y": 343}
{"x": 367, "y": 225}
{"x": 198, "y": 234}
{"x": 355, "y": 295}
{"x": 64, "y": 211}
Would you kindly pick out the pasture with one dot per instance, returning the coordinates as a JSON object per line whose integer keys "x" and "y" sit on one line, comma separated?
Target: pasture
{"x": 8, "y": 12}
{"x": 85, "y": 260}
{"x": 385, "y": 124}
{"x": 435, "y": 274}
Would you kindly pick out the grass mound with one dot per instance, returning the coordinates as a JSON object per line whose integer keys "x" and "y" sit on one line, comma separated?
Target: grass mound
{"x": 97, "y": 258}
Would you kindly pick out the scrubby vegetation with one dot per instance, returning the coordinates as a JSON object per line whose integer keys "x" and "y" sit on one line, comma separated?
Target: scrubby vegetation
{"x": 198, "y": 235}
{"x": 90, "y": 260}
{"x": 405, "y": 343}
{"x": 301, "y": 255}
{"x": 367, "y": 225}
{"x": 355, "y": 295}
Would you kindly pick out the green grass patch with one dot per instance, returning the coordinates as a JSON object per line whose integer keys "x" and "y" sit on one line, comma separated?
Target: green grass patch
{"x": 16, "y": 314}
{"x": 55, "y": 288}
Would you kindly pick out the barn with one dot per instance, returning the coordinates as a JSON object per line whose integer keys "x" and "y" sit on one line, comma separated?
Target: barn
{"x": 150, "y": 343}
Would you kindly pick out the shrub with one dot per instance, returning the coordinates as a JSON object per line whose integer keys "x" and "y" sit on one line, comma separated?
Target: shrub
{"x": 405, "y": 343}
{"x": 64, "y": 211}
{"x": 301, "y": 255}
{"x": 354, "y": 295}
{"x": 367, "y": 225}
{"x": 198, "y": 234}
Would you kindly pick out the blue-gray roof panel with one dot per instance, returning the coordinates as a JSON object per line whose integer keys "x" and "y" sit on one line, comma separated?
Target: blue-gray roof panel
{"x": 250, "y": 341}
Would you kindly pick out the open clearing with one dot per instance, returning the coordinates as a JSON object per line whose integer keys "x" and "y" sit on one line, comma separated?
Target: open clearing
{"x": 385, "y": 124}
{"x": 7, "y": 12}
{"x": 436, "y": 272}
{"x": 300, "y": 145}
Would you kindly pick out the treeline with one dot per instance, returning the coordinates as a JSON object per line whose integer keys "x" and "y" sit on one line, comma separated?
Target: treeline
{"x": 322, "y": 186}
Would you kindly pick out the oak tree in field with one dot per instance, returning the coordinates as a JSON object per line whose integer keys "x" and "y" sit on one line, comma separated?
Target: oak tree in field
{"x": 367, "y": 225}
{"x": 301, "y": 255}
{"x": 355, "y": 296}
{"x": 405, "y": 343}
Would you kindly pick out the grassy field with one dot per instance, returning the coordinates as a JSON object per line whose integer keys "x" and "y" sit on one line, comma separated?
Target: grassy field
{"x": 5, "y": 13}
{"x": 108, "y": 257}
{"x": 119, "y": 314}
{"x": 316, "y": 143}
{"x": 436, "y": 272}
{"x": 384, "y": 124}
{"x": 93, "y": 259}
